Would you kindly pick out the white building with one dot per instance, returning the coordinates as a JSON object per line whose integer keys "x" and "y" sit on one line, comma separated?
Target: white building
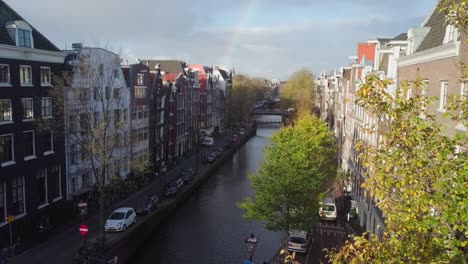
{"x": 97, "y": 105}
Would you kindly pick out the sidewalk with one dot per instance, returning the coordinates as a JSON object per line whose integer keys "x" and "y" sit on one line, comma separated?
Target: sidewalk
{"x": 63, "y": 247}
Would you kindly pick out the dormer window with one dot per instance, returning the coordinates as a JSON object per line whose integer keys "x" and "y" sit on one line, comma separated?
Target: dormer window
{"x": 21, "y": 33}
{"x": 451, "y": 34}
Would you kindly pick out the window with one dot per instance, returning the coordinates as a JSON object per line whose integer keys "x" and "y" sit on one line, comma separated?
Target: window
{"x": 25, "y": 75}
{"x": 83, "y": 94}
{"x": 18, "y": 201}
{"x": 443, "y": 95}
{"x": 28, "y": 110}
{"x": 451, "y": 34}
{"x": 6, "y": 150}
{"x": 45, "y": 76}
{"x": 73, "y": 154}
{"x": 125, "y": 115}
{"x": 101, "y": 69}
{"x": 4, "y": 75}
{"x": 108, "y": 92}
{"x": 41, "y": 187}
{"x": 464, "y": 91}
{"x": 117, "y": 118}
{"x": 96, "y": 119}
{"x": 29, "y": 147}
{"x": 48, "y": 143}
{"x": 145, "y": 111}
{"x": 140, "y": 79}
{"x": 117, "y": 141}
{"x": 46, "y": 107}
{"x": 24, "y": 38}
{"x": 116, "y": 93}
{"x": 142, "y": 133}
{"x": 2, "y": 203}
{"x": 140, "y": 92}
{"x": 5, "y": 110}
{"x": 54, "y": 182}
{"x": 95, "y": 93}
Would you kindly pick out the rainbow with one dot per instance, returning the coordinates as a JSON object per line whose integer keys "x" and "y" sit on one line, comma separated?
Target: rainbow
{"x": 249, "y": 6}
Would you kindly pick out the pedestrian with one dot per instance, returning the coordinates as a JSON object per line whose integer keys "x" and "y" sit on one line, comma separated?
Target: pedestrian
{"x": 4, "y": 255}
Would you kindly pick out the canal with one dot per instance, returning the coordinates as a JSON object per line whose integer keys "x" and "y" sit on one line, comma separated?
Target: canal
{"x": 209, "y": 228}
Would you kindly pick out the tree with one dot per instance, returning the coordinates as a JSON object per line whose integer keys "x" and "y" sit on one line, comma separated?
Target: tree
{"x": 291, "y": 180}
{"x": 245, "y": 91}
{"x": 298, "y": 92}
{"x": 417, "y": 178}
{"x": 93, "y": 100}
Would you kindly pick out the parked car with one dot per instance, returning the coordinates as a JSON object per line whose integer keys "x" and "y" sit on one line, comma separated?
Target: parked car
{"x": 148, "y": 204}
{"x": 173, "y": 187}
{"x": 242, "y": 131}
{"x": 208, "y": 142}
{"x": 211, "y": 158}
{"x": 299, "y": 241}
{"x": 328, "y": 210}
{"x": 120, "y": 219}
{"x": 187, "y": 175}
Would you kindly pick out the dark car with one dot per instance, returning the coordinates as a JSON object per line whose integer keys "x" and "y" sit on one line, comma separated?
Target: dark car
{"x": 187, "y": 175}
{"x": 148, "y": 204}
{"x": 173, "y": 187}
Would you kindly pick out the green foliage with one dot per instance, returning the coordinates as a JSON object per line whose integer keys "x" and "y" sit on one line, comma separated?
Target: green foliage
{"x": 297, "y": 167}
{"x": 419, "y": 181}
{"x": 298, "y": 92}
{"x": 245, "y": 92}
{"x": 456, "y": 12}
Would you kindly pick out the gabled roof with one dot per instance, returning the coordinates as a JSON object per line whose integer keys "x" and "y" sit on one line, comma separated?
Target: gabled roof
{"x": 8, "y": 14}
{"x": 383, "y": 40}
{"x": 435, "y": 36}
{"x": 224, "y": 74}
{"x": 167, "y": 66}
{"x": 199, "y": 67}
{"x": 402, "y": 36}
{"x": 366, "y": 51}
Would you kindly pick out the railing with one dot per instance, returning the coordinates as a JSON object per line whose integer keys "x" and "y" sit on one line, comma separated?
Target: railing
{"x": 269, "y": 121}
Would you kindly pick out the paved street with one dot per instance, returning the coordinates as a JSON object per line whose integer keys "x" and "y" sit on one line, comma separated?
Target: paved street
{"x": 62, "y": 247}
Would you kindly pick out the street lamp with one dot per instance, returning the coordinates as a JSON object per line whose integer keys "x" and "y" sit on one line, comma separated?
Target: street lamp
{"x": 251, "y": 244}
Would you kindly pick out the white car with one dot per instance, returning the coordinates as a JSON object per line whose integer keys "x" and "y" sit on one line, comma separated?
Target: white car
{"x": 120, "y": 219}
{"x": 208, "y": 142}
{"x": 328, "y": 210}
{"x": 299, "y": 241}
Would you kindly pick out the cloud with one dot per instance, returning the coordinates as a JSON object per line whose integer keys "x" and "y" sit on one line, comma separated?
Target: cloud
{"x": 275, "y": 39}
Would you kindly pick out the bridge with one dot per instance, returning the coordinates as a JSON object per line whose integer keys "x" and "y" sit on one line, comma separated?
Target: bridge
{"x": 267, "y": 112}
{"x": 268, "y": 121}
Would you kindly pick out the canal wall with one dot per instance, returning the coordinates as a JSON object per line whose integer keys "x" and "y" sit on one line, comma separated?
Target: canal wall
{"x": 128, "y": 244}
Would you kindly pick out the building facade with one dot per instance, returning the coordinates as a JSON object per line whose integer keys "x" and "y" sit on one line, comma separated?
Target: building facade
{"x": 32, "y": 163}
{"x": 97, "y": 116}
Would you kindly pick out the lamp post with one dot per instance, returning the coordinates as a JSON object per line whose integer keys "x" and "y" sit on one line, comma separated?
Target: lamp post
{"x": 251, "y": 244}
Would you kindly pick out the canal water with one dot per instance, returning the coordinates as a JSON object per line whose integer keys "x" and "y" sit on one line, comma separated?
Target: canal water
{"x": 209, "y": 228}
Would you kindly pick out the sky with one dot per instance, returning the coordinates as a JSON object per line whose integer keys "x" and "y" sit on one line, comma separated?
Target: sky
{"x": 261, "y": 38}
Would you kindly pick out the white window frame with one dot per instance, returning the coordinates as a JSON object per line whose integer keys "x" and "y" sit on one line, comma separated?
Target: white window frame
{"x": 140, "y": 79}
{"x": 50, "y": 151}
{"x": 11, "y": 115}
{"x": 24, "y": 201}
{"x": 8, "y": 82}
{"x": 49, "y": 77}
{"x": 33, "y": 156}
{"x": 43, "y": 99}
{"x": 12, "y": 161}
{"x": 24, "y": 110}
{"x": 21, "y": 24}
{"x": 443, "y": 96}
{"x": 30, "y": 83}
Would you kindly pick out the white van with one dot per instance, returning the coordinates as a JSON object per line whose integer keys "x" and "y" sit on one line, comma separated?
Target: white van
{"x": 328, "y": 210}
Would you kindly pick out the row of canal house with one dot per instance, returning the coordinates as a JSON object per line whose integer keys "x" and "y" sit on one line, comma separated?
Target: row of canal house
{"x": 433, "y": 51}
{"x": 153, "y": 110}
